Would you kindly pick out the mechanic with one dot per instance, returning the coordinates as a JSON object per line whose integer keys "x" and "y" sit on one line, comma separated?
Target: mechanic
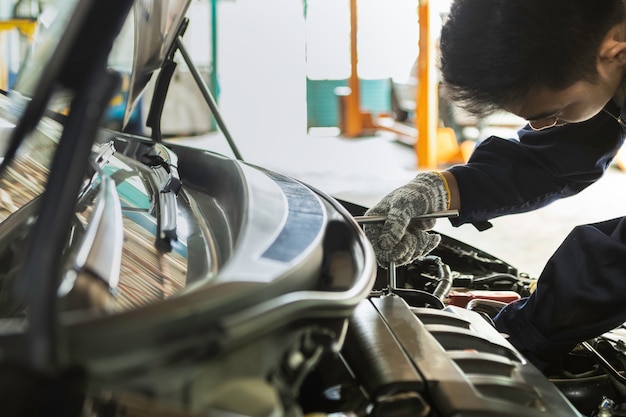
{"x": 560, "y": 65}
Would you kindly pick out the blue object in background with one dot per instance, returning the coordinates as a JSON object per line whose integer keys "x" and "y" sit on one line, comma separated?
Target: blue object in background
{"x": 323, "y": 103}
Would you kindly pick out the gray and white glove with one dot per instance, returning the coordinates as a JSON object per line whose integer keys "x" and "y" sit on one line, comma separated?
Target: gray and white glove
{"x": 396, "y": 240}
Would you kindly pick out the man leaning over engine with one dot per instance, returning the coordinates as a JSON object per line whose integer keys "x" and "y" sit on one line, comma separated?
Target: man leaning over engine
{"x": 560, "y": 65}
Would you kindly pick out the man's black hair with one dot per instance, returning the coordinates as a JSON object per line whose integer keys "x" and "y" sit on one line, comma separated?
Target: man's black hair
{"x": 493, "y": 52}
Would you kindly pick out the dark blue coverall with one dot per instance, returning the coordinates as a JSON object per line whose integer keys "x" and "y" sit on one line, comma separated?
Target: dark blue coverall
{"x": 581, "y": 293}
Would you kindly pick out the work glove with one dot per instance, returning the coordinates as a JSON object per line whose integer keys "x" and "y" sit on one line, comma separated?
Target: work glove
{"x": 397, "y": 240}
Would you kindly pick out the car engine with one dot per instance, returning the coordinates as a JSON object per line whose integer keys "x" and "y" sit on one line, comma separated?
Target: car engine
{"x": 409, "y": 351}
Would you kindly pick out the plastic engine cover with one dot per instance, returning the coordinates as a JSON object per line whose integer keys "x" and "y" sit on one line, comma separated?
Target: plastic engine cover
{"x": 459, "y": 364}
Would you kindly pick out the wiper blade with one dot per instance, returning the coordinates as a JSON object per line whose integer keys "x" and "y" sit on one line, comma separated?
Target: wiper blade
{"x": 165, "y": 174}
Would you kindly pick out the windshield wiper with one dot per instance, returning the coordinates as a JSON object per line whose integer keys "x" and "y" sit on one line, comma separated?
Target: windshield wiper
{"x": 90, "y": 189}
{"x": 167, "y": 182}
{"x": 100, "y": 253}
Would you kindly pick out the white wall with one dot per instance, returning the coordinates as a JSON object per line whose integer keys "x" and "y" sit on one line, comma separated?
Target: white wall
{"x": 266, "y": 50}
{"x": 262, "y": 73}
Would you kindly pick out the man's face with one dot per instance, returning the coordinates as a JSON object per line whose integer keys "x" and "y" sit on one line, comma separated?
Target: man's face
{"x": 544, "y": 108}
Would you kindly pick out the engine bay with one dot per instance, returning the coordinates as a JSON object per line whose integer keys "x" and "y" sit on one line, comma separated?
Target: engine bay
{"x": 428, "y": 347}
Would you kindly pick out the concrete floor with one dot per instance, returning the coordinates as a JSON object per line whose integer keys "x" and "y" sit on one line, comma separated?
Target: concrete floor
{"x": 363, "y": 170}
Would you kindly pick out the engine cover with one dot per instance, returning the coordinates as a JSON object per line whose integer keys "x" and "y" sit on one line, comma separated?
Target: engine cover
{"x": 453, "y": 359}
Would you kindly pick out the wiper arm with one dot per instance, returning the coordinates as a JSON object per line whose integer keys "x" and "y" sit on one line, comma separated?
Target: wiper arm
{"x": 90, "y": 189}
{"x": 100, "y": 253}
{"x": 167, "y": 180}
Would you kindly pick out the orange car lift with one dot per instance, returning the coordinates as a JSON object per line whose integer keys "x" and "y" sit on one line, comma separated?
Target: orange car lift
{"x": 434, "y": 145}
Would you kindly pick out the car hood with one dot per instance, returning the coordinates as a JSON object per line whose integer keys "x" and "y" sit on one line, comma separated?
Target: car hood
{"x": 156, "y": 25}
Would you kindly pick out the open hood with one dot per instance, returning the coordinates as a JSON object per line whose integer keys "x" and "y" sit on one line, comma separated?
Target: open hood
{"x": 156, "y": 26}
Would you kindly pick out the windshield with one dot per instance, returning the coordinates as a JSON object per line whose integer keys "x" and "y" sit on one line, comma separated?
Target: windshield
{"x": 51, "y": 26}
{"x": 39, "y": 144}
{"x": 25, "y": 178}
{"x": 140, "y": 49}
{"x": 52, "y": 23}
{"x": 147, "y": 274}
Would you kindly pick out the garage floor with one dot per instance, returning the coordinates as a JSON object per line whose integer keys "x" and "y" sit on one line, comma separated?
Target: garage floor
{"x": 363, "y": 170}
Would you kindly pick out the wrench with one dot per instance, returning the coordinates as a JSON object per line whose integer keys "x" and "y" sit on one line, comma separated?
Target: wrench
{"x": 381, "y": 219}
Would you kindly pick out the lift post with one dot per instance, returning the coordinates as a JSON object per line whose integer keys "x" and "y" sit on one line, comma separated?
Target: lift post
{"x": 353, "y": 121}
{"x": 434, "y": 144}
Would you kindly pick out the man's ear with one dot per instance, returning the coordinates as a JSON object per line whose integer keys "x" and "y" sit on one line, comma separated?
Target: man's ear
{"x": 613, "y": 47}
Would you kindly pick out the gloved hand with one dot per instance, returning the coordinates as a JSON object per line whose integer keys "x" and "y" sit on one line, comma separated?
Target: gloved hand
{"x": 396, "y": 240}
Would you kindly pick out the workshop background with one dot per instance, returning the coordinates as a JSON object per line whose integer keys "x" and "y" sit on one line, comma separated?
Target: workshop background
{"x": 328, "y": 91}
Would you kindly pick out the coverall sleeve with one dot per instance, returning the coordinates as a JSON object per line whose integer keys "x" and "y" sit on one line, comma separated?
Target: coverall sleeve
{"x": 580, "y": 293}
{"x": 506, "y": 176}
